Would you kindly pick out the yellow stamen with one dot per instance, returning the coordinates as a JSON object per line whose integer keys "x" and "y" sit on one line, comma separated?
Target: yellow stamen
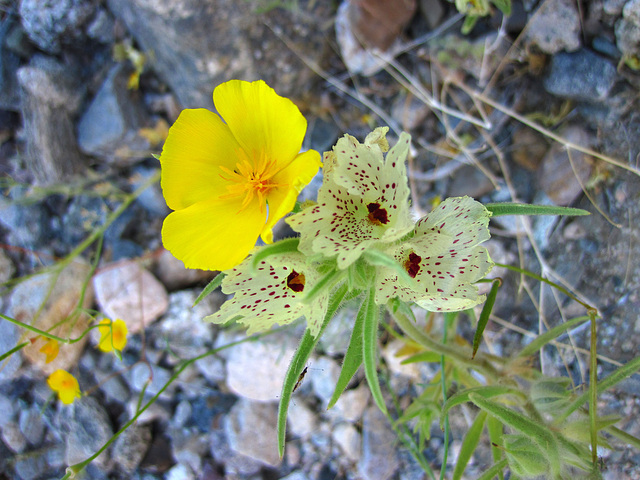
{"x": 251, "y": 179}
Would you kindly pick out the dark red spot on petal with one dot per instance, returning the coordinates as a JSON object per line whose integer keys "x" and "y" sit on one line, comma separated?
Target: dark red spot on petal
{"x": 295, "y": 281}
{"x": 377, "y": 214}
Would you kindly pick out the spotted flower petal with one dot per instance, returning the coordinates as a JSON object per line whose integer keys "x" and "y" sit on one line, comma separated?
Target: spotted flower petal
{"x": 363, "y": 199}
{"x": 444, "y": 258}
{"x": 272, "y": 294}
{"x": 229, "y": 183}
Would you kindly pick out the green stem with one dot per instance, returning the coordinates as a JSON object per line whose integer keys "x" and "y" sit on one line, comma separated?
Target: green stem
{"x": 593, "y": 391}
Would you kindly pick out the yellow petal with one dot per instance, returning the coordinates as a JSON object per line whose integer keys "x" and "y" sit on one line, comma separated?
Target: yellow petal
{"x": 197, "y": 145}
{"x": 261, "y": 120}
{"x": 65, "y": 385}
{"x": 294, "y": 178}
{"x": 213, "y": 234}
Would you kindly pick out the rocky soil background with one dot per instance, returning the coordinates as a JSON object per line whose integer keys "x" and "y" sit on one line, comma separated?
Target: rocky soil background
{"x": 77, "y": 137}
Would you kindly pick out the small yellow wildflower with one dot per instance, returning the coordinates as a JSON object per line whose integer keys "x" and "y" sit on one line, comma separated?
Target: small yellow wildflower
{"x": 65, "y": 385}
{"x": 229, "y": 183}
{"x": 113, "y": 336}
{"x": 50, "y": 349}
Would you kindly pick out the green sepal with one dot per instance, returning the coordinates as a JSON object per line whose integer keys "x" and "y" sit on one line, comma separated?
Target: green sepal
{"x": 369, "y": 348}
{"x": 484, "y": 315}
{"x": 500, "y": 209}
{"x": 352, "y": 359}
{"x": 503, "y": 5}
{"x": 299, "y": 361}
{"x": 284, "y": 246}
{"x": 211, "y": 286}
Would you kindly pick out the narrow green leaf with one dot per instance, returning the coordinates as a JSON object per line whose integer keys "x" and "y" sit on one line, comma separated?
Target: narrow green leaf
{"x": 211, "y": 286}
{"x": 13, "y": 350}
{"x": 287, "y": 245}
{"x": 485, "y": 391}
{"x": 299, "y": 361}
{"x": 156, "y": 156}
{"x": 495, "y": 429}
{"x": 469, "y": 23}
{"x": 542, "y": 339}
{"x": 593, "y": 390}
{"x": 369, "y": 348}
{"x": 504, "y": 6}
{"x": 496, "y": 469}
{"x": 428, "y": 357}
{"x": 352, "y": 359}
{"x": 484, "y": 315}
{"x": 538, "y": 433}
{"x": 499, "y": 209}
{"x": 469, "y": 444}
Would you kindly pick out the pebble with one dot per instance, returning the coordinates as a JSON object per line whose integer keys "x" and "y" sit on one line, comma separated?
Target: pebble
{"x": 349, "y": 440}
{"x": 323, "y": 375}
{"x": 54, "y": 298}
{"x": 351, "y": 404}
{"x": 108, "y": 129}
{"x": 379, "y": 459}
{"x": 87, "y": 428}
{"x": 127, "y": 291}
{"x": 13, "y": 438}
{"x": 251, "y": 430}
{"x": 9, "y": 335}
{"x": 174, "y": 276}
{"x": 628, "y": 30}
{"x": 300, "y": 419}
{"x": 555, "y": 27}
{"x": 582, "y": 76}
{"x": 256, "y": 370}
{"x": 180, "y": 472}
{"x": 157, "y": 377}
{"x": 7, "y": 408}
{"x": 234, "y": 462}
{"x": 32, "y": 425}
{"x": 130, "y": 447}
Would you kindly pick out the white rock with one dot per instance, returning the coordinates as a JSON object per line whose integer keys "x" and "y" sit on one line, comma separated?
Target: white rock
{"x": 349, "y": 440}
{"x": 301, "y": 420}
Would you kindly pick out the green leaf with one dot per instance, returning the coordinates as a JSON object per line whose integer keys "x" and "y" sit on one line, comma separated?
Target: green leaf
{"x": 369, "y": 348}
{"x": 540, "y": 434}
{"x": 499, "y": 209}
{"x": 495, "y": 429}
{"x": 211, "y": 286}
{"x": 428, "y": 357}
{"x": 485, "y": 391}
{"x": 299, "y": 361}
{"x": 352, "y": 359}
{"x": 496, "y": 469}
{"x": 469, "y": 23}
{"x": 546, "y": 337}
{"x": 503, "y": 5}
{"x": 484, "y": 316}
{"x": 287, "y": 245}
{"x": 469, "y": 445}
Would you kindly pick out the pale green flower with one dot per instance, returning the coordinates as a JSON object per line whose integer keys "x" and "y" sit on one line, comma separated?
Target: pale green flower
{"x": 364, "y": 199}
{"x": 443, "y": 257}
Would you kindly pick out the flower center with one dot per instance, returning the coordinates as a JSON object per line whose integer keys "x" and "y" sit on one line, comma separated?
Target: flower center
{"x": 377, "y": 215}
{"x": 295, "y": 281}
{"x": 412, "y": 264}
{"x": 250, "y": 179}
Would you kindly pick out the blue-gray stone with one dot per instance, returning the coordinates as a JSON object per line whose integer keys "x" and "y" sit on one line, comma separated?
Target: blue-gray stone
{"x": 582, "y": 76}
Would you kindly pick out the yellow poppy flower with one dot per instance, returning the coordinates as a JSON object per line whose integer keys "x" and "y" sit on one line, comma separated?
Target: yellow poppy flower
{"x": 229, "y": 183}
{"x": 65, "y": 385}
{"x": 50, "y": 350}
{"x": 113, "y": 336}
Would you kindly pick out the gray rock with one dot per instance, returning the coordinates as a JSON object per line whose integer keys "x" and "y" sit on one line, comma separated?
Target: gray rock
{"x": 628, "y": 30}
{"x": 256, "y": 370}
{"x": 9, "y": 64}
{"x": 13, "y": 437}
{"x": 87, "y": 427}
{"x": 101, "y": 27}
{"x": 379, "y": 459}
{"x": 130, "y": 447}
{"x": 582, "y": 76}
{"x": 181, "y": 329}
{"x": 31, "y": 467}
{"x": 157, "y": 376}
{"x": 180, "y": 472}
{"x": 555, "y": 27}
{"x": 227, "y": 39}
{"x": 301, "y": 420}
{"x": 250, "y": 428}
{"x": 32, "y": 425}
{"x": 151, "y": 198}
{"x": 9, "y": 335}
{"x": 349, "y": 440}
{"x": 234, "y": 462}
{"x": 50, "y": 24}
{"x": 28, "y": 225}
{"x": 50, "y": 97}
{"x": 113, "y": 387}
{"x": 324, "y": 375}
{"x": 108, "y": 129}
{"x": 7, "y": 411}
